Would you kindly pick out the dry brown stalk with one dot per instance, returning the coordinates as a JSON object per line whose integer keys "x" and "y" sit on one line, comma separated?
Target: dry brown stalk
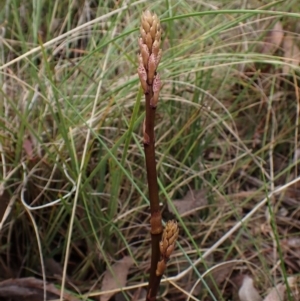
{"x": 149, "y": 58}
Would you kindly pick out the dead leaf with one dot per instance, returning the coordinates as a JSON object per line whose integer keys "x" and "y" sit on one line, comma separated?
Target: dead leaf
{"x": 28, "y": 147}
{"x": 139, "y": 294}
{"x": 30, "y": 289}
{"x": 222, "y": 271}
{"x": 273, "y": 39}
{"x": 192, "y": 200}
{"x": 276, "y": 293}
{"x": 294, "y": 283}
{"x": 247, "y": 291}
{"x": 117, "y": 278}
{"x": 291, "y": 53}
{"x": 216, "y": 276}
{"x": 53, "y": 268}
{"x": 294, "y": 242}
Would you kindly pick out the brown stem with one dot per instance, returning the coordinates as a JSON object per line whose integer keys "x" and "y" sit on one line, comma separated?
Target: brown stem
{"x": 154, "y": 280}
{"x": 156, "y": 220}
{"x": 149, "y": 147}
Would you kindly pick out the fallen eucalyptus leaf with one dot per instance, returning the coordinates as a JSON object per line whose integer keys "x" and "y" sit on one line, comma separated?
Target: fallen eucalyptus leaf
{"x": 273, "y": 39}
{"x": 117, "y": 278}
{"x": 276, "y": 293}
{"x": 247, "y": 291}
{"x": 191, "y": 201}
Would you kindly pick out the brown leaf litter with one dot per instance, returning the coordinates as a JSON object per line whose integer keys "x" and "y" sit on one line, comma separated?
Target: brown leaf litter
{"x": 193, "y": 200}
{"x": 30, "y": 289}
{"x": 248, "y": 292}
{"x": 273, "y": 39}
{"x": 115, "y": 277}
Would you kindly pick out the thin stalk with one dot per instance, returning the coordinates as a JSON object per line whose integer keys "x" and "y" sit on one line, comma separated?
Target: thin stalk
{"x": 156, "y": 219}
{"x": 162, "y": 243}
{"x": 149, "y": 147}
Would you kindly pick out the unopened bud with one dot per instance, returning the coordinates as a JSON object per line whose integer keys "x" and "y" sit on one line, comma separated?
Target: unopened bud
{"x": 153, "y": 28}
{"x": 144, "y": 52}
{"x": 145, "y": 24}
{"x": 156, "y": 89}
{"x": 169, "y": 238}
{"x": 161, "y": 267}
{"x": 143, "y": 34}
{"x": 143, "y": 77}
{"x": 147, "y": 17}
{"x": 151, "y": 68}
{"x": 158, "y": 35}
{"x": 155, "y": 47}
{"x": 149, "y": 41}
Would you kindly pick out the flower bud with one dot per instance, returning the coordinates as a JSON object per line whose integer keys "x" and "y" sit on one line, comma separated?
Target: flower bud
{"x": 145, "y": 54}
{"x": 143, "y": 34}
{"x": 147, "y": 17}
{"x": 145, "y": 24}
{"x": 151, "y": 68}
{"x": 143, "y": 77}
{"x": 149, "y": 41}
{"x": 161, "y": 267}
{"x": 155, "y": 47}
{"x": 169, "y": 238}
{"x": 158, "y": 35}
{"x": 156, "y": 89}
{"x": 169, "y": 250}
{"x": 161, "y": 247}
{"x": 153, "y": 28}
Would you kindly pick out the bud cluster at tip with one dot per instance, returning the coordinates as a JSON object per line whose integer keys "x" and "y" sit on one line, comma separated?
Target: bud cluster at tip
{"x": 167, "y": 245}
{"x": 150, "y": 55}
